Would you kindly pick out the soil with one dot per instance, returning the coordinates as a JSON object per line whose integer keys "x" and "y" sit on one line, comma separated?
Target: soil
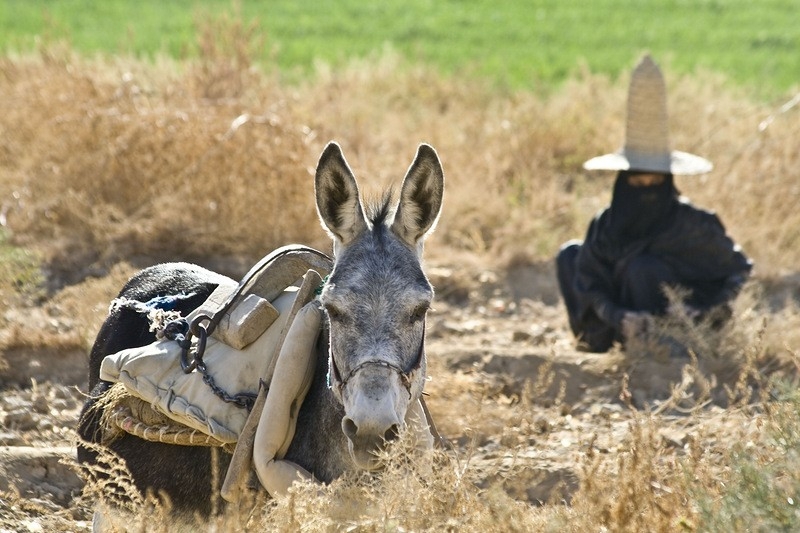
{"x": 507, "y": 389}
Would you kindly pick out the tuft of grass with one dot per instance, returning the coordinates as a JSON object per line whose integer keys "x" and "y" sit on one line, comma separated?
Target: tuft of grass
{"x": 760, "y": 490}
{"x": 20, "y": 273}
{"x": 427, "y": 492}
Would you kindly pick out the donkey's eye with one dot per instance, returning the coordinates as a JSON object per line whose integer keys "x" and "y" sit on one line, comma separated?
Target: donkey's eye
{"x": 419, "y": 313}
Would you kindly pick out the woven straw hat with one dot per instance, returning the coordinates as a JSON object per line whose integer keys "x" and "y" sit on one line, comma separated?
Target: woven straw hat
{"x": 646, "y": 136}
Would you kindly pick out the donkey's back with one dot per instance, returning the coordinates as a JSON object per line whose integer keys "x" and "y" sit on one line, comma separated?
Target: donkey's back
{"x": 181, "y": 472}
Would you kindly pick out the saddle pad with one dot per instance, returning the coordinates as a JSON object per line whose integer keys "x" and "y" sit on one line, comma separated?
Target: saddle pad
{"x": 153, "y": 373}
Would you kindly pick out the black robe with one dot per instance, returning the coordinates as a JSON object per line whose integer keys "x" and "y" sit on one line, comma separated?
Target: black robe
{"x": 690, "y": 242}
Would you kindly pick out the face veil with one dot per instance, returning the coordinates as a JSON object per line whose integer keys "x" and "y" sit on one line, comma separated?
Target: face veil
{"x": 636, "y": 212}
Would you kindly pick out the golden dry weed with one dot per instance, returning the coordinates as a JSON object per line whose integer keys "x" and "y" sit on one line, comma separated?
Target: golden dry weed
{"x": 107, "y": 165}
{"x": 110, "y": 160}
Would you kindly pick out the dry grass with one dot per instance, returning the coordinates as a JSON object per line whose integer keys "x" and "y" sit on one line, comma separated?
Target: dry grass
{"x": 125, "y": 163}
{"x": 681, "y": 463}
{"x": 105, "y": 161}
{"x": 648, "y": 483}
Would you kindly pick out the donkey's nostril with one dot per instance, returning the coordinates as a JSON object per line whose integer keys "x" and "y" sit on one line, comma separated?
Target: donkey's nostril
{"x": 392, "y": 433}
{"x": 349, "y": 427}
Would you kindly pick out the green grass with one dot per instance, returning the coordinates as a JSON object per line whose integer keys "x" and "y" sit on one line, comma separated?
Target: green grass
{"x": 761, "y": 494}
{"x": 19, "y": 270}
{"x": 523, "y": 44}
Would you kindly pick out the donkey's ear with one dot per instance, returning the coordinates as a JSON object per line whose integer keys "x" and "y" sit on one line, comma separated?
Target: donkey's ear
{"x": 338, "y": 202}
{"x": 420, "y": 197}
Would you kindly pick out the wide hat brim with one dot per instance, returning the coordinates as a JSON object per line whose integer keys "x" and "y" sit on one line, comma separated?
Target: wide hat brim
{"x": 676, "y": 162}
{"x": 647, "y": 147}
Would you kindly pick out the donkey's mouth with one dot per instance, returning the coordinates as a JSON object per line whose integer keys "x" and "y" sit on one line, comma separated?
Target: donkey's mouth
{"x": 365, "y": 460}
{"x": 367, "y": 456}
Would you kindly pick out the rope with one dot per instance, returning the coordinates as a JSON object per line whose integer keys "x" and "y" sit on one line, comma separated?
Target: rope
{"x": 158, "y": 428}
{"x": 160, "y": 311}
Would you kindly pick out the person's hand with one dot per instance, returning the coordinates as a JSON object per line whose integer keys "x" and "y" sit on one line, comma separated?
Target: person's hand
{"x": 635, "y": 323}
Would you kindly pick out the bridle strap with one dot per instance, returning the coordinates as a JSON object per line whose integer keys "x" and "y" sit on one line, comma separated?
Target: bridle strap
{"x": 405, "y": 376}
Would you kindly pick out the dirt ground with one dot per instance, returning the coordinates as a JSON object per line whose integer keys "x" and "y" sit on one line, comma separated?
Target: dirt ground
{"x": 507, "y": 389}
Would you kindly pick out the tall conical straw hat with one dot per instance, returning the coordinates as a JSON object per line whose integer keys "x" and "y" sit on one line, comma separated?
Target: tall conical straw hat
{"x": 647, "y": 146}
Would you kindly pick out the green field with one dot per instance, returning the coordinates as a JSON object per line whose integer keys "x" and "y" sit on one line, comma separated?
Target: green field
{"x": 533, "y": 44}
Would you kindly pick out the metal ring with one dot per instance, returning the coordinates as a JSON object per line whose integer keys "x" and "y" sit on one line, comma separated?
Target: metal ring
{"x": 197, "y": 324}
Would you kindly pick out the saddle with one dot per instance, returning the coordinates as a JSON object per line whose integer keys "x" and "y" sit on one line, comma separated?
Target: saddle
{"x": 252, "y": 320}
{"x": 265, "y": 326}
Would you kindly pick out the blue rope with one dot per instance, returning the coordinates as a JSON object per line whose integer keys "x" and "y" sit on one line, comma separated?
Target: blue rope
{"x": 168, "y": 302}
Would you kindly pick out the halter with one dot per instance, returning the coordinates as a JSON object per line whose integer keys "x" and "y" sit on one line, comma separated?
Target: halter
{"x": 334, "y": 379}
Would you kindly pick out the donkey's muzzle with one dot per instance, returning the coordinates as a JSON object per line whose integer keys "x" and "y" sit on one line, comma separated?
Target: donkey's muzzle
{"x": 375, "y": 410}
{"x": 350, "y": 429}
{"x": 368, "y": 437}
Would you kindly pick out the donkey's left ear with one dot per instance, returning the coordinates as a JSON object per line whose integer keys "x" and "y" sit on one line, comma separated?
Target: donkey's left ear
{"x": 420, "y": 197}
{"x": 338, "y": 201}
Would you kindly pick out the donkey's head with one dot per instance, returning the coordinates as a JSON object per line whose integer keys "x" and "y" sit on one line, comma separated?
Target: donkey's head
{"x": 376, "y": 297}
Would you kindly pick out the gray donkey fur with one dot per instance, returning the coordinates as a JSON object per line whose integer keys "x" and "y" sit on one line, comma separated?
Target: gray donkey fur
{"x": 369, "y": 369}
{"x": 377, "y": 296}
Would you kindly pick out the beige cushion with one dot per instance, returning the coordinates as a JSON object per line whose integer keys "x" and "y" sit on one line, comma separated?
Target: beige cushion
{"x": 153, "y": 373}
{"x": 278, "y": 421}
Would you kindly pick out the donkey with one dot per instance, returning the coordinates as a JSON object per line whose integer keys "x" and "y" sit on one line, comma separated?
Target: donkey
{"x": 369, "y": 368}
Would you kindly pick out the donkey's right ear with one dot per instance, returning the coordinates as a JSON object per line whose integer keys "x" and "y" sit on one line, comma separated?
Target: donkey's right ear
{"x": 338, "y": 201}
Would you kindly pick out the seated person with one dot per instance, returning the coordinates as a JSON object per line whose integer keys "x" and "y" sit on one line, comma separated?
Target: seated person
{"x": 649, "y": 237}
